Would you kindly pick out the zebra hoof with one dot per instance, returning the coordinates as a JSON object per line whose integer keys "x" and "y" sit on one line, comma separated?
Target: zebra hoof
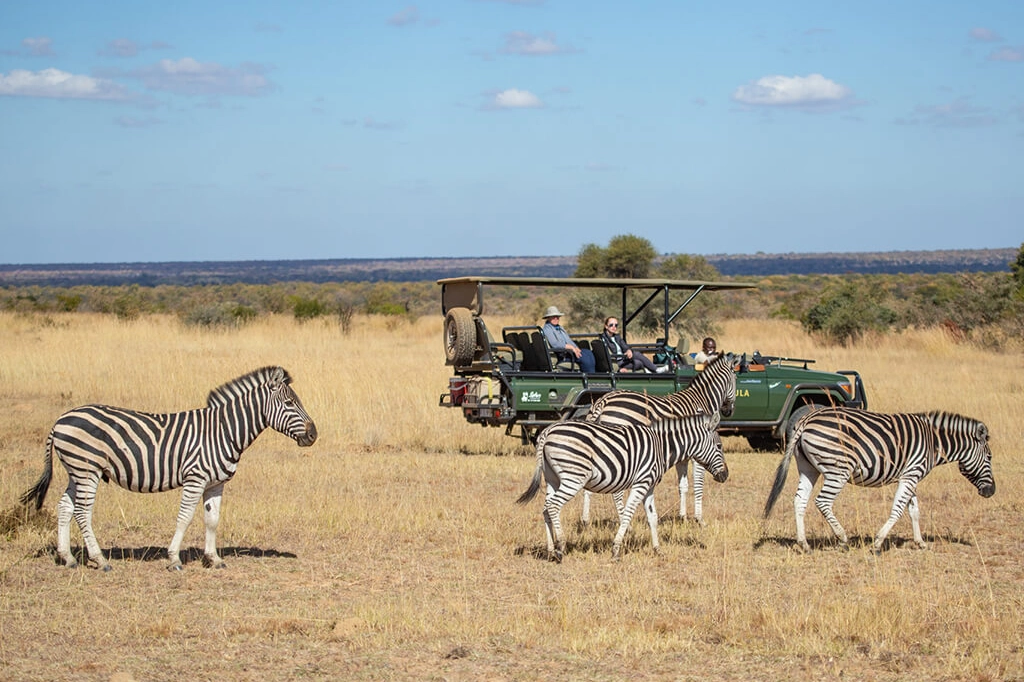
{"x": 174, "y": 567}
{"x": 802, "y": 548}
{"x": 105, "y": 568}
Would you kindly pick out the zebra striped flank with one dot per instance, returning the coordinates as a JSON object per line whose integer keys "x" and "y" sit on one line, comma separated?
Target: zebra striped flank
{"x": 197, "y": 451}
{"x": 608, "y": 458}
{"x": 872, "y": 449}
{"x": 712, "y": 391}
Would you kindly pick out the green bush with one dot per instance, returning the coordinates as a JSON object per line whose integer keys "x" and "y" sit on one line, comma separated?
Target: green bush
{"x": 307, "y": 308}
{"x": 219, "y": 315}
{"x": 847, "y": 312}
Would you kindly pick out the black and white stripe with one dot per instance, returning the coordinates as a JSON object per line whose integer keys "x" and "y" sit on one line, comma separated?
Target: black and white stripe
{"x": 197, "y": 451}
{"x": 605, "y": 458}
{"x": 872, "y": 449}
{"x": 712, "y": 391}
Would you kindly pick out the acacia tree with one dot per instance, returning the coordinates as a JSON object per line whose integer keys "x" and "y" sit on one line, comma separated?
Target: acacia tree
{"x": 632, "y": 256}
{"x": 625, "y": 256}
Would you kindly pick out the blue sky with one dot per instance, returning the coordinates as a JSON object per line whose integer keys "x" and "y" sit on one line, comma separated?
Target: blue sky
{"x": 138, "y": 131}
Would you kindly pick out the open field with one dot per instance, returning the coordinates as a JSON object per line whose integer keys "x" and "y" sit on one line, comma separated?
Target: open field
{"x": 392, "y": 549}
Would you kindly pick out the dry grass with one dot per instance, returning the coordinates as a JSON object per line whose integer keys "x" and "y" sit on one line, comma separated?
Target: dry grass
{"x": 392, "y": 549}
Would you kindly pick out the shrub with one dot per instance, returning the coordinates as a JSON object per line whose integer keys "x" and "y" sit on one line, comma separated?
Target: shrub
{"x": 846, "y": 313}
{"x": 307, "y": 308}
{"x": 219, "y": 315}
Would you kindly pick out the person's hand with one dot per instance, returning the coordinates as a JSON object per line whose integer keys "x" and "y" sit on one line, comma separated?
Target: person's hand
{"x": 575, "y": 350}
{"x": 629, "y": 353}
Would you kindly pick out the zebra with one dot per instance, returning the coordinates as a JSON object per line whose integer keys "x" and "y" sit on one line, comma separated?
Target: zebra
{"x": 609, "y": 458}
{"x": 873, "y": 449}
{"x": 197, "y": 451}
{"x": 712, "y": 391}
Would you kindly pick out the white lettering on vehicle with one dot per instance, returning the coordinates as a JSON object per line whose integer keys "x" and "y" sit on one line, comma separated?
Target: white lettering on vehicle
{"x": 530, "y": 397}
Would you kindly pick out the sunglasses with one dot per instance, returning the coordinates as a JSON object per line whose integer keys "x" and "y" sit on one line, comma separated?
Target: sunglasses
{"x": 613, "y": 325}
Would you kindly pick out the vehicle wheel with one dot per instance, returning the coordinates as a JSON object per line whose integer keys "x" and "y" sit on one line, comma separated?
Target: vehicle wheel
{"x": 797, "y": 415}
{"x": 763, "y": 443}
{"x": 459, "y": 336}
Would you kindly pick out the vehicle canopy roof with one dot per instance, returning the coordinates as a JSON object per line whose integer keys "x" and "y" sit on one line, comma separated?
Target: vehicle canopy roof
{"x": 467, "y": 292}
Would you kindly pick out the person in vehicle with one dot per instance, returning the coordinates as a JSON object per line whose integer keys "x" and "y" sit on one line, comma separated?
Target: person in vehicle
{"x": 562, "y": 343}
{"x": 625, "y": 357}
{"x": 708, "y": 350}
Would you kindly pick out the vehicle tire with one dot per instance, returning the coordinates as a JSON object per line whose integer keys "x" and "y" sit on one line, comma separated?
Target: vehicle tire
{"x": 763, "y": 442}
{"x": 797, "y": 415}
{"x": 459, "y": 336}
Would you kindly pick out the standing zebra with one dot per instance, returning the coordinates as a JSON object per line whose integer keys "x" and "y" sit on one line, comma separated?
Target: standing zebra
{"x": 611, "y": 458}
{"x": 197, "y": 451}
{"x": 712, "y": 391}
{"x": 872, "y": 449}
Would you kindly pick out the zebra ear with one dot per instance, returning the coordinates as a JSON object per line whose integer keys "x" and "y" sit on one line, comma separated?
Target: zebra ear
{"x": 279, "y": 377}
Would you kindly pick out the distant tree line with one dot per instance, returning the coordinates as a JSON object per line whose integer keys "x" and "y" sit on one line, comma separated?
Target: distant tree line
{"x": 982, "y": 307}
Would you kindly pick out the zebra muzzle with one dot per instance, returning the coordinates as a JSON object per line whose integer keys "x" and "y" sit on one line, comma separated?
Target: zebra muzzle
{"x": 722, "y": 475}
{"x": 309, "y": 437}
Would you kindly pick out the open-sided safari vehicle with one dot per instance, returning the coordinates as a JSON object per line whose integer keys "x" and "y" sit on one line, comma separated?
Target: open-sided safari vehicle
{"x": 512, "y": 379}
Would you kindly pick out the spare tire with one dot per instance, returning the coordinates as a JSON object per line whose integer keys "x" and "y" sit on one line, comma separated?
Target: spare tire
{"x": 459, "y": 337}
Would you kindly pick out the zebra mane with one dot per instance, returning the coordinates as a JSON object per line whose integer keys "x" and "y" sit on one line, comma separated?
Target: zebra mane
{"x": 941, "y": 419}
{"x": 702, "y": 377}
{"x": 227, "y": 393}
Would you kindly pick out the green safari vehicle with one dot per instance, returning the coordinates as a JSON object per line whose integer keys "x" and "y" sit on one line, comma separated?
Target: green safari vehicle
{"x": 513, "y": 380}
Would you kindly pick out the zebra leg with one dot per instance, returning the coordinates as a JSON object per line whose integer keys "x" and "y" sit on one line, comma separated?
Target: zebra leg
{"x": 65, "y": 510}
{"x": 824, "y": 501}
{"x": 190, "y": 494}
{"x": 553, "y": 503}
{"x": 808, "y": 477}
{"x": 585, "y": 516}
{"x": 211, "y": 515}
{"x": 698, "y": 494}
{"x": 905, "y": 492}
{"x": 635, "y": 495}
{"x": 684, "y": 485}
{"x": 652, "y": 520}
{"x": 85, "y": 499}
{"x": 915, "y": 520}
{"x": 619, "y": 504}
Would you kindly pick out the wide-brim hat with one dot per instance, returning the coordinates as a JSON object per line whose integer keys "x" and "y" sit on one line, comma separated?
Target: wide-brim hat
{"x": 552, "y": 311}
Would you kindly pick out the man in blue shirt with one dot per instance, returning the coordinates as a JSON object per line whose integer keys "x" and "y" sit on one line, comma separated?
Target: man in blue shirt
{"x": 562, "y": 343}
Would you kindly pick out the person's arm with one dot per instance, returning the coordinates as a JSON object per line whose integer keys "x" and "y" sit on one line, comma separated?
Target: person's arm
{"x": 553, "y": 337}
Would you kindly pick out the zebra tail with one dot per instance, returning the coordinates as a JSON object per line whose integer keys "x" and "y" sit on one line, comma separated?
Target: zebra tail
{"x": 538, "y": 472}
{"x": 38, "y": 491}
{"x": 781, "y": 474}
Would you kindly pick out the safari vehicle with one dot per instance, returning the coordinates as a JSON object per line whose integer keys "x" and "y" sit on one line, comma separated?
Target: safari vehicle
{"x": 514, "y": 380}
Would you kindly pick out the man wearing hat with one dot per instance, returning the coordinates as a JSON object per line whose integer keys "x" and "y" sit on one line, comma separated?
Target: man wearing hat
{"x": 562, "y": 344}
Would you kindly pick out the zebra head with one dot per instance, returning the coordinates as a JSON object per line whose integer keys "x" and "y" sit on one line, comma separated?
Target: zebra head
{"x": 965, "y": 441}
{"x": 695, "y": 436}
{"x": 284, "y": 411}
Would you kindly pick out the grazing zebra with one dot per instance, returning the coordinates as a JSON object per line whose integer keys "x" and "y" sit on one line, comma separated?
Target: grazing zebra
{"x": 712, "y": 391}
{"x": 197, "y": 451}
{"x": 872, "y": 449}
{"x": 611, "y": 458}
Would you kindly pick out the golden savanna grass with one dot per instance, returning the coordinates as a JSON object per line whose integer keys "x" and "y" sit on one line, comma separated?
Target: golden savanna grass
{"x": 392, "y": 549}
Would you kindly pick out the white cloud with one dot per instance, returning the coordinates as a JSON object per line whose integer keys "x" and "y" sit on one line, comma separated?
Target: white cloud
{"x": 405, "y": 16}
{"x": 959, "y": 113}
{"x": 38, "y": 47}
{"x": 188, "y": 76}
{"x": 527, "y": 44}
{"x": 516, "y": 99}
{"x": 1008, "y": 54}
{"x": 799, "y": 92}
{"x": 984, "y": 35}
{"x": 56, "y": 84}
